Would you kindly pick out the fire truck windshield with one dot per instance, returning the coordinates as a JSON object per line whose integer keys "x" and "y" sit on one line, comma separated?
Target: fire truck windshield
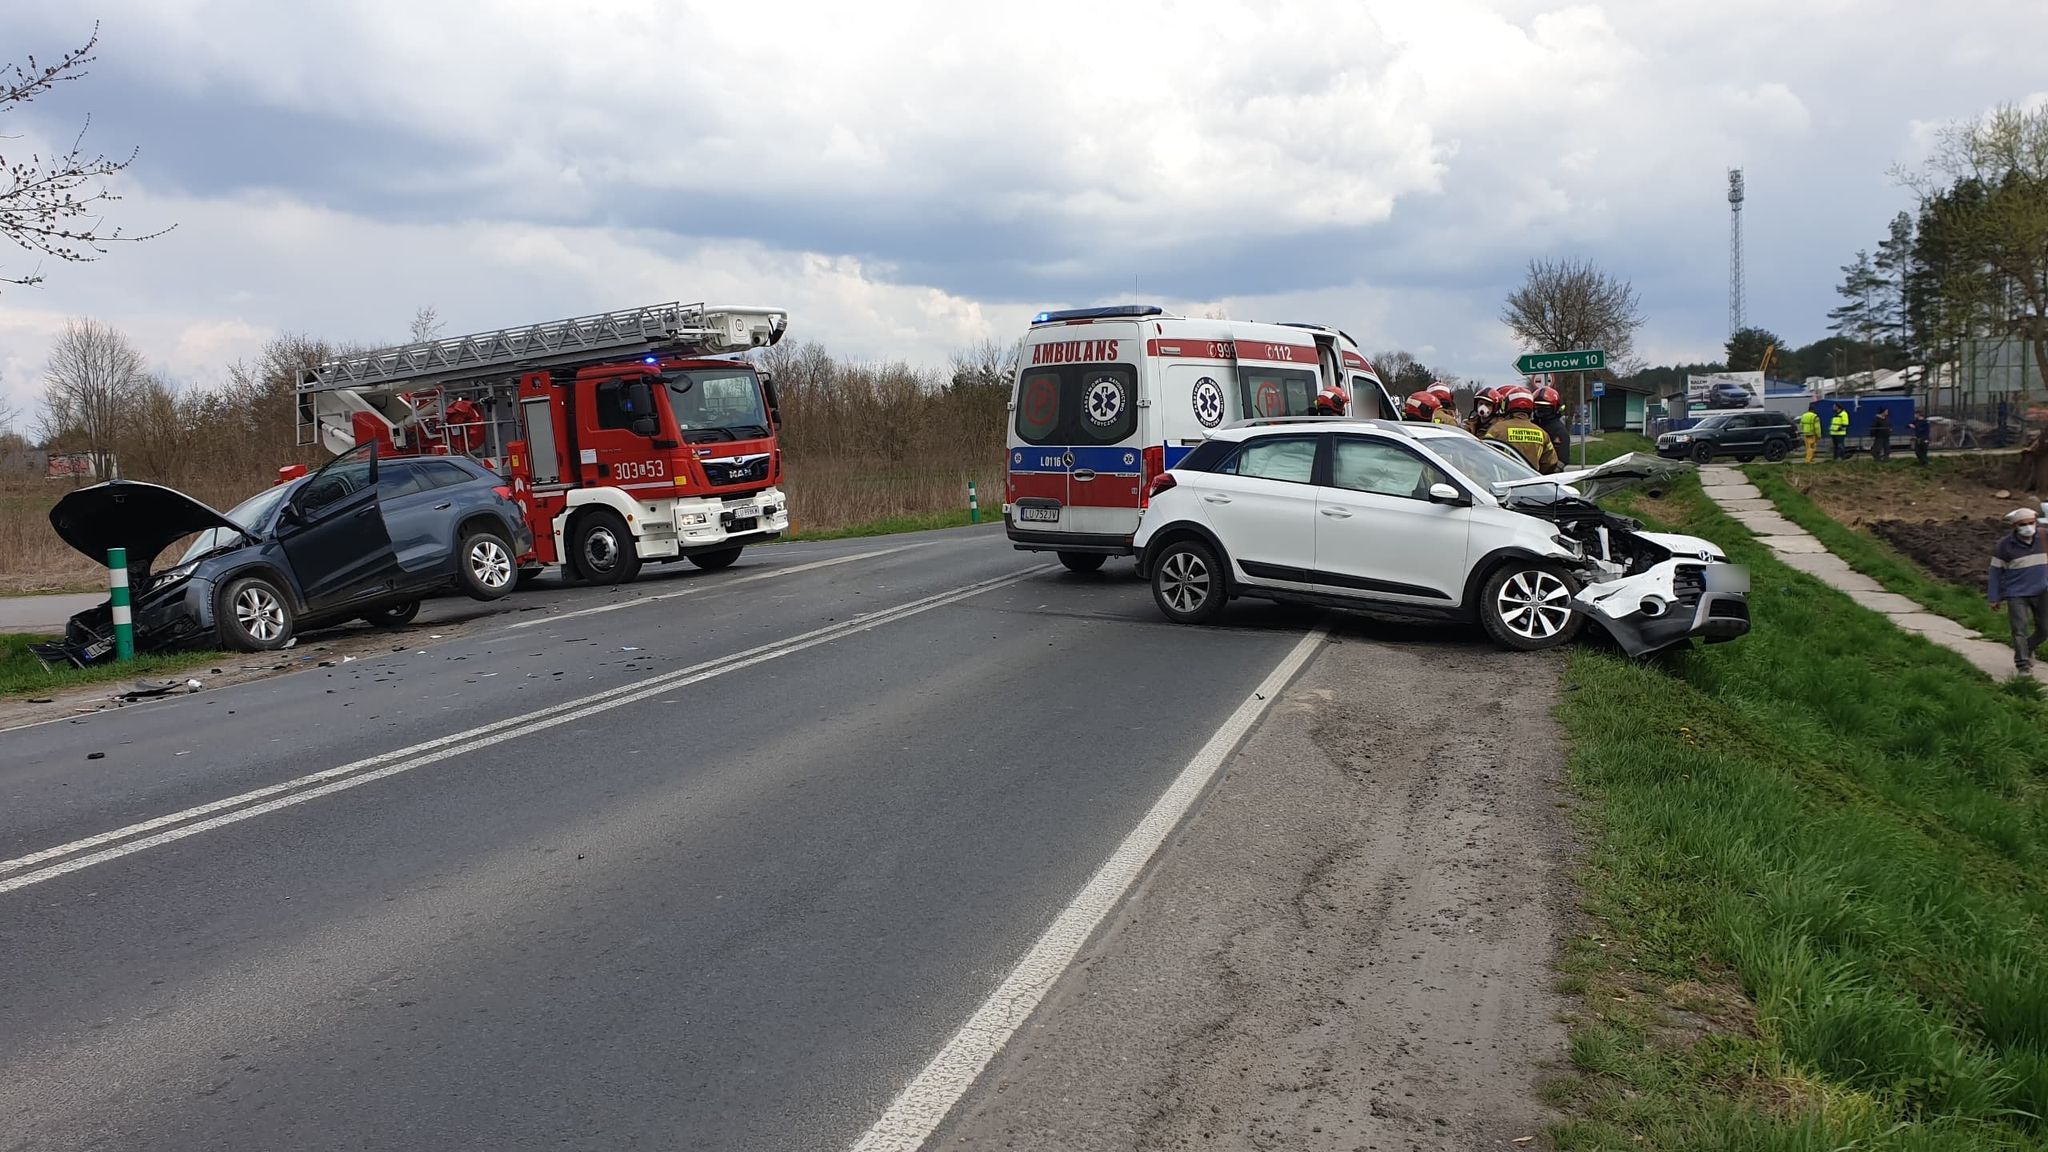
{"x": 717, "y": 404}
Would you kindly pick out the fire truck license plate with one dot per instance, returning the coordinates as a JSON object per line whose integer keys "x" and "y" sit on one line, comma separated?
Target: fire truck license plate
{"x": 1049, "y": 515}
{"x": 743, "y": 524}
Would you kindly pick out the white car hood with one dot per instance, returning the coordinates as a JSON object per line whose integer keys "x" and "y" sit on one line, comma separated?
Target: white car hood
{"x": 1685, "y": 547}
{"x": 1613, "y": 476}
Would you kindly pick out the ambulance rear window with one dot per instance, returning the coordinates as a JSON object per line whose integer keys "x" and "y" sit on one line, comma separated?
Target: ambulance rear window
{"x": 1077, "y": 404}
{"x": 1275, "y": 392}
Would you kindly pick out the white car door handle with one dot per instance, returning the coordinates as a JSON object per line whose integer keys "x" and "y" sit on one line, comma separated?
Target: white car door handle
{"x": 1216, "y": 498}
{"x": 1339, "y": 513}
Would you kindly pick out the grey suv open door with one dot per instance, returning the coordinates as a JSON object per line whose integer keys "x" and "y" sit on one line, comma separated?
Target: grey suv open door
{"x": 333, "y": 533}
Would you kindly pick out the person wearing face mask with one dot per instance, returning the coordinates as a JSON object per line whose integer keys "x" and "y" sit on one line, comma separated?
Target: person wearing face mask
{"x": 2019, "y": 579}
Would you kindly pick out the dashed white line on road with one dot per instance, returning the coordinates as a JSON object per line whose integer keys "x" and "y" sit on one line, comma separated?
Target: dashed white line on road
{"x": 924, "y": 1103}
{"x": 234, "y": 809}
{"x": 636, "y": 601}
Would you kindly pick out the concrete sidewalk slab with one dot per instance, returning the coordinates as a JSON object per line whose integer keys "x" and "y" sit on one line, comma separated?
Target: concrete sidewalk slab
{"x": 1768, "y": 524}
{"x": 1796, "y": 544}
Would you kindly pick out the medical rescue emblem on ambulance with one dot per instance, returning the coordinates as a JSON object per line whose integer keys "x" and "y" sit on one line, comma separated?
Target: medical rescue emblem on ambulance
{"x": 1208, "y": 402}
{"x": 1105, "y": 402}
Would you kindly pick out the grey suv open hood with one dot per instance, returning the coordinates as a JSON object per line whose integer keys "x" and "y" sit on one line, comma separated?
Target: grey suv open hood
{"x": 143, "y": 518}
{"x": 1601, "y": 479}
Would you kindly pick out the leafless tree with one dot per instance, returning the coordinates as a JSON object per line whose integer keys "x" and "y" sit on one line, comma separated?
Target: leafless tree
{"x": 55, "y": 205}
{"x": 426, "y": 324}
{"x": 91, "y": 382}
{"x": 1568, "y": 305}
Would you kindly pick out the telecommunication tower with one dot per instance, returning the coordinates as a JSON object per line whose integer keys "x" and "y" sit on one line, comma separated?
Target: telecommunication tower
{"x": 1735, "y": 288}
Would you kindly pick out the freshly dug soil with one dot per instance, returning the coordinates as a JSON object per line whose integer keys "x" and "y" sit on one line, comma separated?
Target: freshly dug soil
{"x": 1957, "y": 550}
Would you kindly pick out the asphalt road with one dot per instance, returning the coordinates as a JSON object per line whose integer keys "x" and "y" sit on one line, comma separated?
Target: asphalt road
{"x": 715, "y": 861}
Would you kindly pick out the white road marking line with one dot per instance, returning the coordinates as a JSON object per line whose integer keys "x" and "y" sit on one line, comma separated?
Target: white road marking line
{"x": 931, "y": 1095}
{"x": 636, "y": 601}
{"x": 304, "y": 788}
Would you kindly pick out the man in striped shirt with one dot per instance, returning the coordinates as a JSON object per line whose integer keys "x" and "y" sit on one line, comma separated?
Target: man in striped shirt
{"x": 2019, "y": 579}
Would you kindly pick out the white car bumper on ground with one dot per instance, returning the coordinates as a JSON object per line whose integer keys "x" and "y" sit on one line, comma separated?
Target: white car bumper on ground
{"x": 1670, "y": 603}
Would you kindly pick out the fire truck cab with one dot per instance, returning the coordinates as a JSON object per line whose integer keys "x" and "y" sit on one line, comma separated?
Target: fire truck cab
{"x": 1108, "y": 398}
{"x": 626, "y": 437}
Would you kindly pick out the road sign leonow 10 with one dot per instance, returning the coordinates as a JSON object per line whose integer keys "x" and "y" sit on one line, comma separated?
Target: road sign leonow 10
{"x": 1588, "y": 360}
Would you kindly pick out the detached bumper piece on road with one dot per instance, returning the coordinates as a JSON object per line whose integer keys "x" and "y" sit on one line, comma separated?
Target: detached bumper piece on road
{"x": 1669, "y": 604}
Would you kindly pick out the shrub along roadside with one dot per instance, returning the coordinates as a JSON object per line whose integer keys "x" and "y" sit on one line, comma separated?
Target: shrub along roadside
{"x": 1816, "y": 869}
{"x": 1878, "y": 560}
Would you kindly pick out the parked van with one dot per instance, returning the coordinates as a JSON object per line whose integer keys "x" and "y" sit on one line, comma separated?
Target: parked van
{"x": 1108, "y": 398}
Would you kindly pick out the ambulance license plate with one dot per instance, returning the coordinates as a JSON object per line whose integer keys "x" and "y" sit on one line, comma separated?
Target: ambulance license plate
{"x": 1047, "y": 515}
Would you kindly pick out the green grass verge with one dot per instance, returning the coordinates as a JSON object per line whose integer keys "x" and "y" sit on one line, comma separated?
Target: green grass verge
{"x": 1878, "y": 560}
{"x": 1611, "y": 445}
{"x": 894, "y": 524}
{"x": 21, "y": 674}
{"x": 1818, "y": 870}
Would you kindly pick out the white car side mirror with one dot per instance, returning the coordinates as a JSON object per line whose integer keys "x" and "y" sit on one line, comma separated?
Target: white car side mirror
{"x": 1445, "y": 494}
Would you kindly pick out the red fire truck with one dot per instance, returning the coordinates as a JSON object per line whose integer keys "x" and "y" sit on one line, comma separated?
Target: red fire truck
{"x": 629, "y": 436}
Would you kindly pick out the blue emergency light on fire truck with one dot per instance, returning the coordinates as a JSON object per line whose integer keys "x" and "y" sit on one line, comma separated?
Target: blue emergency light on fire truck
{"x": 1107, "y": 398}
{"x": 641, "y": 434}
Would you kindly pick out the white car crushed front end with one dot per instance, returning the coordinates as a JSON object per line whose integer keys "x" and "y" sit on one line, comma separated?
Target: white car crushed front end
{"x": 1649, "y": 590}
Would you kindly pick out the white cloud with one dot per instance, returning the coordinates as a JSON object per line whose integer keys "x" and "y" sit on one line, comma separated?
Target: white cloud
{"x": 580, "y": 147}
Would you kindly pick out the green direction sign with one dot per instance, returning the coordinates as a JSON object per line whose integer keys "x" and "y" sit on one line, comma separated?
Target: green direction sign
{"x": 1590, "y": 360}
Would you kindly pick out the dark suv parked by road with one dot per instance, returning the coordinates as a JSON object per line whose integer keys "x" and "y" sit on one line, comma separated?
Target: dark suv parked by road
{"x": 362, "y": 538}
{"x": 1743, "y": 435}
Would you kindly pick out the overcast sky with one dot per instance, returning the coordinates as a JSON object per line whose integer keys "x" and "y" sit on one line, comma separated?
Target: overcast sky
{"x": 909, "y": 178}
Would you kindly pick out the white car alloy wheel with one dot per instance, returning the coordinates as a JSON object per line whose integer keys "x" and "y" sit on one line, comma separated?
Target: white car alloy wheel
{"x": 1184, "y": 582}
{"x": 1534, "y": 604}
{"x": 260, "y": 613}
{"x": 490, "y": 562}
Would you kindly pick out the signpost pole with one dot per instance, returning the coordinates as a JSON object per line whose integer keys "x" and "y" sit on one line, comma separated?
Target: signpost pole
{"x": 1588, "y": 433}
{"x": 973, "y": 504}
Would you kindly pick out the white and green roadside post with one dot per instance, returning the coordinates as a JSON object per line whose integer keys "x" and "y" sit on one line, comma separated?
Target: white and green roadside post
{"x": 117, "y": 596}
{"x": 973, "y": 504}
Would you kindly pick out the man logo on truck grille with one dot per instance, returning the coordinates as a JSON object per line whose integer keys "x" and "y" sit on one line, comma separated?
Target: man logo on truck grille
{"x": 1208, "y": 402}
{"x": 1105, "y": 402}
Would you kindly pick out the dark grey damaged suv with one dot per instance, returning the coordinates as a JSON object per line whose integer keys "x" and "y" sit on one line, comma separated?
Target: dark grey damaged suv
{"x": 360, "y": 538}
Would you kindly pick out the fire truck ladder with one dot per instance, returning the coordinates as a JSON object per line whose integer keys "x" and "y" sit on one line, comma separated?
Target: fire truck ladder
{"x": 476, "y": 366}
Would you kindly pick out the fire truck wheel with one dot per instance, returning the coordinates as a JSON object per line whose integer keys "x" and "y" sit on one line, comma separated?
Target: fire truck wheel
{"x": 253, "y": 616}
{"x": 393, "y": 615}
{"x": 713, "y": 561}
{"x": 1083, "y": 561}
{"x": 487, "y": 566}
{"x": 604, "y": 549}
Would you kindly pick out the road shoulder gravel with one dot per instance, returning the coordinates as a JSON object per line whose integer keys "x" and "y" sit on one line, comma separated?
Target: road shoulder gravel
{"x": 1348, "y": 947}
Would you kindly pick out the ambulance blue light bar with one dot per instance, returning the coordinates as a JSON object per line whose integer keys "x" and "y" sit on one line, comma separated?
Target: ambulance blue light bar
{"x": 1115, "y": 312}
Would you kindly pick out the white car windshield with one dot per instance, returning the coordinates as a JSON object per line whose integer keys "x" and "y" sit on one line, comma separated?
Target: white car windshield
{"x": 251, "y": 514}
{"x": 1481, "y": 465}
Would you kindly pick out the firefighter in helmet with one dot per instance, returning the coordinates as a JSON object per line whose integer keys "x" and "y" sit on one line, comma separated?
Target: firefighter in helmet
{"x": 1419, "y": 406}
{"x": 1515, "y": 428}
{"x": 1550, "y": 418}
{"x": 1446, "y": 403}
{"x": 1485, "y": 405}
{"x": 1332, "y": 400}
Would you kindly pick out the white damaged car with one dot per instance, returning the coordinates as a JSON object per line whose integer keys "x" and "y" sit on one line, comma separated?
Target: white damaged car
{"x": 1424, "y": 521}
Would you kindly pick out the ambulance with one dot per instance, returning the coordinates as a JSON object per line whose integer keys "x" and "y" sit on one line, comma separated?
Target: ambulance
{"x": 1108, "y": 398}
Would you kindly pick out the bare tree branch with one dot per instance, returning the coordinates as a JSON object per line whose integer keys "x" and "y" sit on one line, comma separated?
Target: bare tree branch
{"x": 54, "y": 206}
{"x": 1568, "y": 305}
